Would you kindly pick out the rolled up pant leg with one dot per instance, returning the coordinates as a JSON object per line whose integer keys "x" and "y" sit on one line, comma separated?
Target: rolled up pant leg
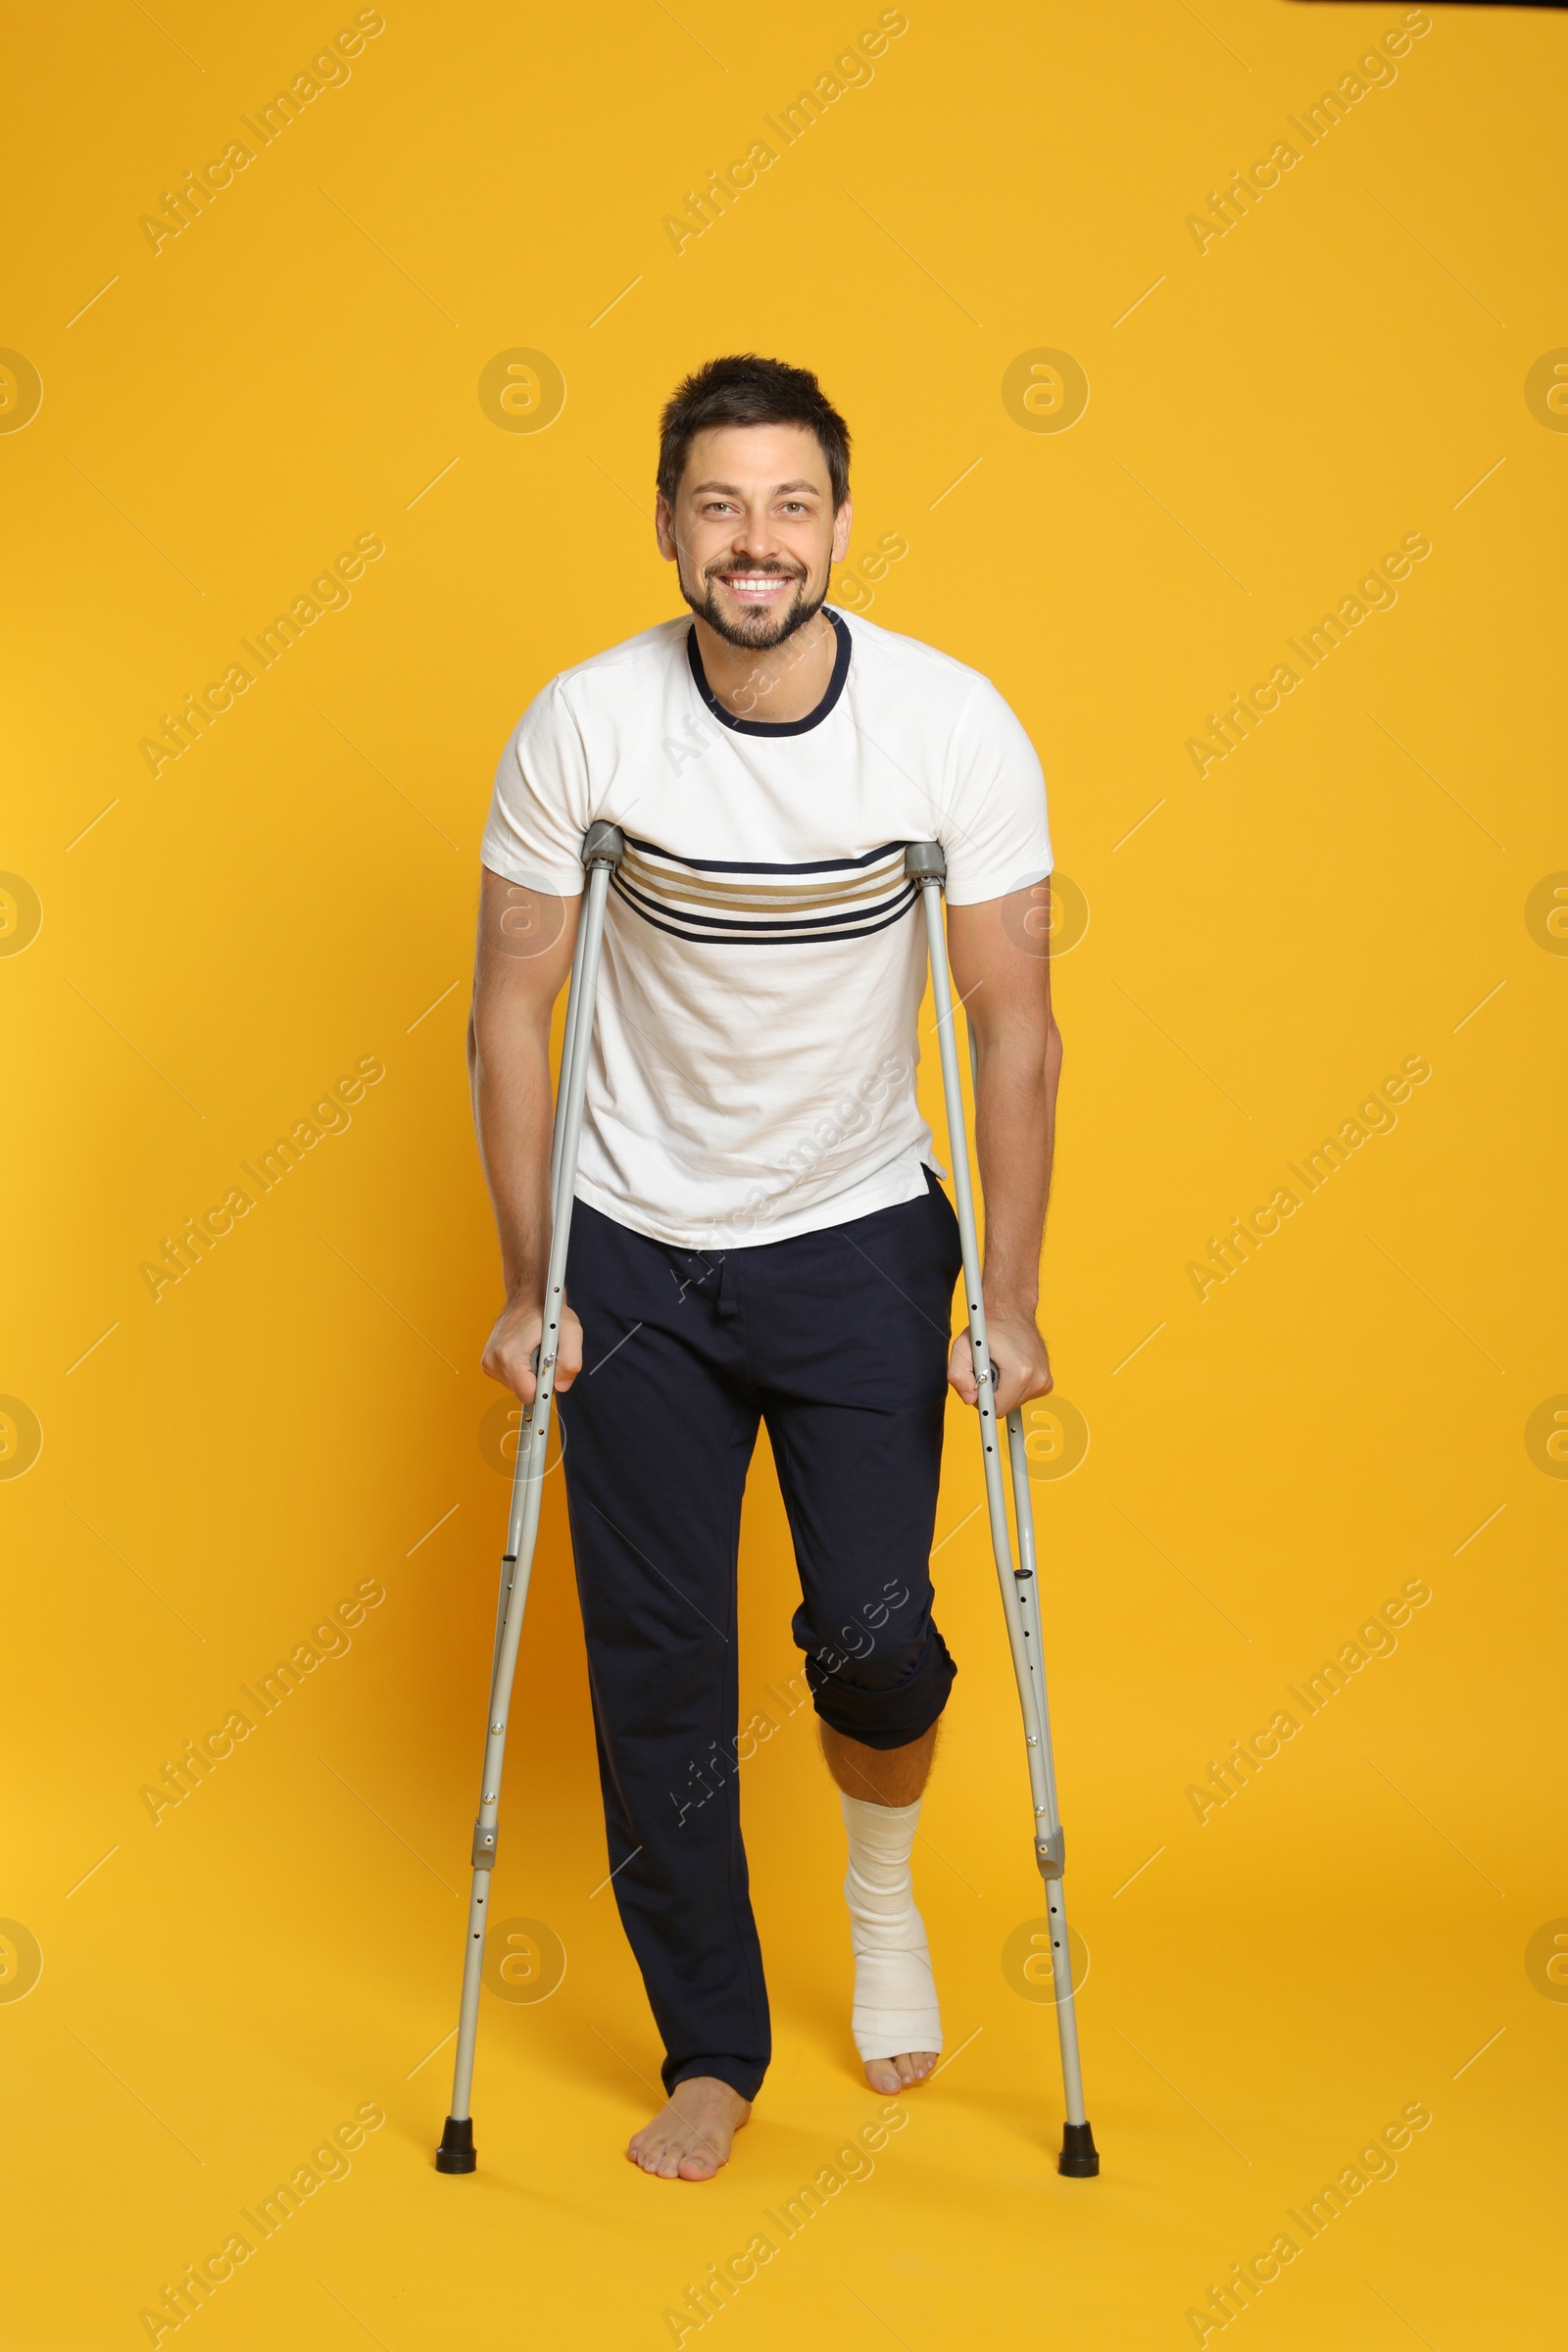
{"x": 660, "y": 1428}
{"x": 848, "y": 1340}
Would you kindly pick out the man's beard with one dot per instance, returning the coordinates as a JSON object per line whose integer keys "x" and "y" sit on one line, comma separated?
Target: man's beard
{"x": 771, "y": 633}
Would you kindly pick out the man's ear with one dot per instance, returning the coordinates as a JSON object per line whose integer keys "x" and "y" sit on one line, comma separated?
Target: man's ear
{"x": 841, "y": 529}
{"x": 664, "y": 528}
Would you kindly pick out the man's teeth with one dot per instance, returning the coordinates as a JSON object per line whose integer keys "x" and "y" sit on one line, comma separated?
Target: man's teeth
{"x": 755, "y": 584}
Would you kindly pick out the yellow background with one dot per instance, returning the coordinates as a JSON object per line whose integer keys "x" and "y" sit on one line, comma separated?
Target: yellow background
{"x": 297, "y": 891}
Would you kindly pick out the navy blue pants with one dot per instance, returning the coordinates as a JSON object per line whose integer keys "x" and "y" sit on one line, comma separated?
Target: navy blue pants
{"x": 838, "y": 1339}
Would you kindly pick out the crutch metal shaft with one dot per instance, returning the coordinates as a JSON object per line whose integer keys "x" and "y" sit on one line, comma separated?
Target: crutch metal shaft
{"x": 1028, "y": 1586}
{"x": 602, "y": 849}
{"x": 926, "y": 866}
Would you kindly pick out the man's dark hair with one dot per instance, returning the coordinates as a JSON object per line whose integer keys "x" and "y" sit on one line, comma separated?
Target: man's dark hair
{"x": 745, "y": 389}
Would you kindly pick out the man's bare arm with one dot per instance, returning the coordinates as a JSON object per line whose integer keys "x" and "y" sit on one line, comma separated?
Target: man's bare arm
{"x": 523, "y": 962}
{"x": 1005, "y": 990}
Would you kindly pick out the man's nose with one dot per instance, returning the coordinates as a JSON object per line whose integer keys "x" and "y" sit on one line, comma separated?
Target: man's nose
{"x": 756, "y": 537}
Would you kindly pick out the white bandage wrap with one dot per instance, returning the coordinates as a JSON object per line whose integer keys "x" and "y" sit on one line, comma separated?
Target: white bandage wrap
{"x": 894, "y": 1992}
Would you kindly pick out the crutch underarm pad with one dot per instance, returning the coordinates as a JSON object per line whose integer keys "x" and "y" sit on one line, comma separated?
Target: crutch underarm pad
{"x": 925, "y": 862}
{"x": 602, "y": 844}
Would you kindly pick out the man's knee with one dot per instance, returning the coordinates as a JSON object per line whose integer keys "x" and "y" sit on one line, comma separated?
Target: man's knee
{"x": 887, "y": 1699}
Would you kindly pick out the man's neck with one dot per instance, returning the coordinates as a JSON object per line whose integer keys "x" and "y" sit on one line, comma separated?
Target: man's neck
{"x": 783, "y": 683}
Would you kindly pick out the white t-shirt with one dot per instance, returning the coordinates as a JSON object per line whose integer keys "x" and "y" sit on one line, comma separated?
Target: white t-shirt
{"x": 754, "y": 1046}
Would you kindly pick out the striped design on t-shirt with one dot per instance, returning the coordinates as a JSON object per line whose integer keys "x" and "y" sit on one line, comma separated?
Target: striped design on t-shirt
{"x": 721, "y": 902}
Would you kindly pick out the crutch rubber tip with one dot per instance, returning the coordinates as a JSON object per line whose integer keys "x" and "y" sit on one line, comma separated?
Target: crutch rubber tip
{"x": 455, "y": 2152}
{"x": 1079, "y": 2158}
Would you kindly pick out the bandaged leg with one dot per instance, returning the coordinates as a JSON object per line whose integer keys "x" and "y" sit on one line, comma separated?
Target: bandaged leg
{"x": 894, "y": 1992}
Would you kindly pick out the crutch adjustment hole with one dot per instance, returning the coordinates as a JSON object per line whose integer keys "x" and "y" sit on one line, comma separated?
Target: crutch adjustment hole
{"x": 1032, "y": 1962}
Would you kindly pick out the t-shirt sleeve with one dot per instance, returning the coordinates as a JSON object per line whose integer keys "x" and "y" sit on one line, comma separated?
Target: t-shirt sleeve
{"x": 539, "y": 808}
{"x": 994, "y": 830}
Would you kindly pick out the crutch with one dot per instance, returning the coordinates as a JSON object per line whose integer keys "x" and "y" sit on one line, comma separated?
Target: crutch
{"x": 602, "y": 851}
{"x": 926, "y": 866}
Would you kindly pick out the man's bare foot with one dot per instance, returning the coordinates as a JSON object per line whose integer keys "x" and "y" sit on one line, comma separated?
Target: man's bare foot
{"x": 902, "y": 2073}
{"x": 692, "y": 2137}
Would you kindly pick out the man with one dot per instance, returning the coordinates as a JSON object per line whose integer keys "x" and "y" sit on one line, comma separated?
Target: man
{"x": 757, "y": 1232}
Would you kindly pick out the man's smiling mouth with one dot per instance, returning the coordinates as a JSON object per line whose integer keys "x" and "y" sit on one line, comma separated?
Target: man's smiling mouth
{"x": 756, "y": 586}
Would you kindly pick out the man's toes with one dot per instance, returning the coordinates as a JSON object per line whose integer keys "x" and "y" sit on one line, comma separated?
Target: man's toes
{"x": 900, "y": 2073}
{"x": 697, "y": 2164}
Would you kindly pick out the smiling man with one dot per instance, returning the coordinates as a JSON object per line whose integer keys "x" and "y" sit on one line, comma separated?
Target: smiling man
{"x": 760, "y": 1234}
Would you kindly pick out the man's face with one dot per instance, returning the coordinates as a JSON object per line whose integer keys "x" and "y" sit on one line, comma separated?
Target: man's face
{"x": 753, "y": 532}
